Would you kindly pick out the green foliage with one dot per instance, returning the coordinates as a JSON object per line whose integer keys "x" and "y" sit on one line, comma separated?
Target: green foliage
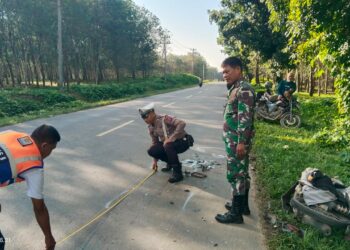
{"x": 343, "y": 91}
{"x": 336, "y": 135}
{"x": 345, "y": 156}
{"x": 119, "y": 36}
{"x": 317, "y": 32}
{"x": 244, "y": 28}
{"x": 18, "y": 101}
{"x": 9, "y": 107}
{"x": 282, "y": 154}
{"x": 113, "y": 91}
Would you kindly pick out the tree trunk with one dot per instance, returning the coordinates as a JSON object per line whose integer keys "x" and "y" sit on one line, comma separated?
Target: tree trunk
{"x": 41, "y": 63}
{"x": 257, "y": 80}
{"x": 36, "y": 73}
{"x": 50, "y": 75}
{"x": 312, "y": 82}
{"x": 85, "y": 74}
{"x": 77, "y": 68}
{"x": 1, "y": 75}
{"x": 100, "y": 72}
{"x": 117, "y": 71}
{"x": 97, "y": 80}
{"x": 59, "y": 46}
{"x": 10, "y": 68}
{"x": 15, "y": 57}
{"x": 42, "y": 70}
{"x": 7, "y": 80}
{"x": 326, "y": 82}
{"x": 25, "y": 66}
{"x": 298, "y": 81}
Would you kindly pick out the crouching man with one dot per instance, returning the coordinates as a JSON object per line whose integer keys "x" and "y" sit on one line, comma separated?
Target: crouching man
{"x": 168, "y": 140}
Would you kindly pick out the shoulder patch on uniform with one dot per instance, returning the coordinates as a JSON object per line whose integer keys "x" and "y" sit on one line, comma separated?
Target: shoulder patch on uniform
{"x": 25, "y": 141}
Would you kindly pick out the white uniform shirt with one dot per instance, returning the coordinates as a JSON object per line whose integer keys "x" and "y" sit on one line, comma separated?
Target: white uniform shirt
{"x": 35, "y": 182}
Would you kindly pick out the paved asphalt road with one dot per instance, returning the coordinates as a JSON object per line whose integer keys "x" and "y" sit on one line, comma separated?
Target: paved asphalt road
{"x": 102, "y": 154}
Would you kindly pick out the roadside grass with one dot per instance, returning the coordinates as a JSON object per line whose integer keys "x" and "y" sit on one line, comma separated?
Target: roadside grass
{"x": 282, "y": 154}
{"x": 23, "y": 104}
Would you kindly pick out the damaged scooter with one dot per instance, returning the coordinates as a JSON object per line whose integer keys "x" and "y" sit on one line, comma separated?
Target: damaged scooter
{"x": 320, "y": 201}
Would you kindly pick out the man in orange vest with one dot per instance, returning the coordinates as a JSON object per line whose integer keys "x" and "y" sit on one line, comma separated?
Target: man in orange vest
{"x": 21, "y": 159}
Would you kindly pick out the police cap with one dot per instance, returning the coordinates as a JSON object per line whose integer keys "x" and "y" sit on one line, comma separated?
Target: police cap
{"x": 144, "y": 111}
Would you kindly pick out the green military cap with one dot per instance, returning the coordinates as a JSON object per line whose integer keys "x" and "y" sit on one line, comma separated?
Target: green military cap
{"x": 146, "y": 109}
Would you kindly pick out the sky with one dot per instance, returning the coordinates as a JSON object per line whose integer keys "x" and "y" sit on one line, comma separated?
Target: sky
{"x": 189, "y": 26}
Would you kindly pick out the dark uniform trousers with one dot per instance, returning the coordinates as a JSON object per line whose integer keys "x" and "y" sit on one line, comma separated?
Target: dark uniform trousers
{"x": 169, "y": 152}
{"x": 2, "y": 242}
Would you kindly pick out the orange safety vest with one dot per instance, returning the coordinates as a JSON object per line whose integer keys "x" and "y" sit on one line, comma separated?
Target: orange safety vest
{"x": 18, "y": 153}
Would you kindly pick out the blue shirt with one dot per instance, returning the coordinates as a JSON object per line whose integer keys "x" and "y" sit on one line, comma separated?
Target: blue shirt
{"x": 286, "y": 86}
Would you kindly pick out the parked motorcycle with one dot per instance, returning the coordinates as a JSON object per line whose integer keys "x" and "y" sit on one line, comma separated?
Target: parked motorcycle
{"x": 286, "y": 111}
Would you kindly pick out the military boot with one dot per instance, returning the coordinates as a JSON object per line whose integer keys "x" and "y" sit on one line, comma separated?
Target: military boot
{"x": 246, "y": 210}
{"x": 167, "y": 168}
{"x": 235, "y": 213}
{"x": 177, "y": 174}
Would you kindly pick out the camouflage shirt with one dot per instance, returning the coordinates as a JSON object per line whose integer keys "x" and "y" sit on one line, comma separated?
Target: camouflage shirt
{"x": 239, "y": 113}
{"x": 174, "y": 127}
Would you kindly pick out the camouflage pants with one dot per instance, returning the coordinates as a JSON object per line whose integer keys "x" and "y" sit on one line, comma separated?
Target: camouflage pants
{"x": 237, "y": 170}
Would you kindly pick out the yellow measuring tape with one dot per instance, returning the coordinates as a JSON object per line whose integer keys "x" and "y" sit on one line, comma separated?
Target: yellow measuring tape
{"x": 104, "y": 211}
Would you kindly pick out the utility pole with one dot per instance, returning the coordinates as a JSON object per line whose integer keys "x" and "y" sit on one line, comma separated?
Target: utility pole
{"x": 203, "y": 75}
{"x": 59, "y": 45}
{"x": 164, "y": 53}
{"x": 193, "y": 52}
{"x": 97, "y": 48}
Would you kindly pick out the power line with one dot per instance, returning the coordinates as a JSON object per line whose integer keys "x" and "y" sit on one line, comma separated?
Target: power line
{"x": 188, "y": 48}
{"x": 179, "y": 48}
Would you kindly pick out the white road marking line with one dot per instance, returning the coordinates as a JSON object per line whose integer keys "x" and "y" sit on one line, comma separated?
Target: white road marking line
{"x": 111, "y": 130}
{"x": 187, "y": 97}
{"x": 187, "y": 200}
{"x": 169, "y": 104}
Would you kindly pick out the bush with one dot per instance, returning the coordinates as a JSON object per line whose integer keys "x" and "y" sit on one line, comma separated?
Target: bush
{"x": 93, "y": 93}
{"x": 337, "y": 135}
{"x": 9, "y": 107}
{"x": 19, "y": 101}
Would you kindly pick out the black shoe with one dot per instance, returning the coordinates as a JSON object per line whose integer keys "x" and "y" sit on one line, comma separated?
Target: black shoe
{"x": 235, "y": 214}
{"x": 167, "y": 168}
{"x": 229, "y": 218}
{"x": 176, "y": 177}
{"x": 246, "y": 210}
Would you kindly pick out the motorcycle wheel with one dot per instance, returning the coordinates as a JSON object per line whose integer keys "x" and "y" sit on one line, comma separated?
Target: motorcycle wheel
{"x": 290, "y": 121}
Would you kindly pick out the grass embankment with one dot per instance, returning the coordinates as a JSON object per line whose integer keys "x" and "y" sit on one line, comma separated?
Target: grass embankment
{"x": 21, "y": 104}
{"x": 282, "y": 154}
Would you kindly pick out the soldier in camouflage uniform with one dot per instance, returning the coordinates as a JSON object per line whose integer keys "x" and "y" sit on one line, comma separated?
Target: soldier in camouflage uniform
{"x": 238, "y": 133}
